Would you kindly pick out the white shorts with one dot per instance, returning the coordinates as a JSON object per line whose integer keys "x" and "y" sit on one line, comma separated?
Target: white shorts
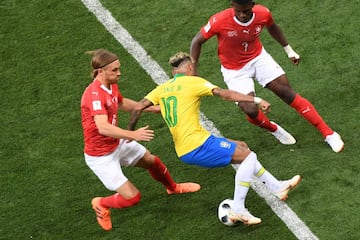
{"x": 263, "y": 69}
{"x": 108, "y": 168}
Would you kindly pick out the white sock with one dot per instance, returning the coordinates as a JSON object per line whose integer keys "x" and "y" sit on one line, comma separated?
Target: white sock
{"x": 266, "y": 177}
{"x": 246, "y": 170}
{"x": 243, "y": 177}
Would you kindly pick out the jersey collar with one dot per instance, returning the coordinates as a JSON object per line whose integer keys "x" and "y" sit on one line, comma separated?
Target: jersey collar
{"x": 245, "y": 24}
{"x": 178, "y": 75}
{"x": 103, "y": 87}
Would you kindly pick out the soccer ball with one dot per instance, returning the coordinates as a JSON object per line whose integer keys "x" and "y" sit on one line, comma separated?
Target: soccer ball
{"x": 223, "y": 212}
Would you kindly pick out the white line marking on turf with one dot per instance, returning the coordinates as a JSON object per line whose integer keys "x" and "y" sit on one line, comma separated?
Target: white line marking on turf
{"x": 281, "y": 209}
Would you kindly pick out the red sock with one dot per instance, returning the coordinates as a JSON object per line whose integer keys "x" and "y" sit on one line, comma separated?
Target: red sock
{"x": 262, "y": 121}
{"x": 160, "y": 173}
{"x": 117, "y": 201}
{"x": 308, "y": 111}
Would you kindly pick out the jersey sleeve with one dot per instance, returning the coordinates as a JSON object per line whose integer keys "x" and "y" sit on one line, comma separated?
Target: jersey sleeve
{"x": 204, "y": 87}
{"x": 153, "y": 96}
{"x": 95, "y": 103}
{"x": 209, "y": 29}
{"x": 268, "y": 16}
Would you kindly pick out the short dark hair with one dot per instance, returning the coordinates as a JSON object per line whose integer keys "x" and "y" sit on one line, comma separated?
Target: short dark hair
{"x": 242, "y": 2}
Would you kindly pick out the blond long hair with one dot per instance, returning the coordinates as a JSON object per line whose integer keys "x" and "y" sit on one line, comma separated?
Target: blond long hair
{"x": 100, "y": 58}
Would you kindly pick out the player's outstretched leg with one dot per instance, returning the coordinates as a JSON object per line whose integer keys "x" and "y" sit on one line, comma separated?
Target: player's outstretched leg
{"x": 276, "y": 130}
{"x": 279, "y": 188}
{"x": 308, "y": 111}
{"x": 160, "y": 173}
{"x": 243, "y": 177}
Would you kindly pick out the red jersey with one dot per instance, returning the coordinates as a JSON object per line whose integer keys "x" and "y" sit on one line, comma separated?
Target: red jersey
{"x": 238, "y": 42}
{"x": 97, "y": 100}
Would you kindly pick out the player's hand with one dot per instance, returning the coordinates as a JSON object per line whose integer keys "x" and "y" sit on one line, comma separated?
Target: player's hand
{"x": 144, "y": 134}
{"x": 153, "y": 109}
{"x": 292, "y": 55}
{"x": 295, "y": 61}
{"x": 264, "y": 106}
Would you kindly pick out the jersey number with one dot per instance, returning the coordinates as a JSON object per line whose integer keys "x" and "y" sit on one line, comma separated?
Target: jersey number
{"x": 170, "y": 106}
{"x": 245, "y": 45}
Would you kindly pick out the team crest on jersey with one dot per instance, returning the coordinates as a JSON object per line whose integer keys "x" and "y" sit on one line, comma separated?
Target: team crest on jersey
{"x": 224, "y": 144}
{"x": 232, "y": 33}
{"x": 96, "y": 105}
{"x": 258, "y": 29}
{"x": 207, "y": 27}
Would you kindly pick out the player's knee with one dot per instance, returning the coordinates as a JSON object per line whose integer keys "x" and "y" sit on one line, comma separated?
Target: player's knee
{"x": 243, "y": 145}
{"x": 251, "y": 114}
{"x": 147, "y": 161}
{"x": 286, "y": 93}
{"x": 287, "y": 96}
{"x": 250, "y": 109}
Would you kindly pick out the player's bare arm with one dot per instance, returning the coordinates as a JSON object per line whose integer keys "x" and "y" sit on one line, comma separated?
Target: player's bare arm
{"x": 136, "y": 112}
{"x": 153, "y": 109}
{"x": 109, "y": 130}
{"x": 276, "y": 32}
{"x": 195, "y": 49}
{"x": 234, "y": 96}
{"x": 127, "y": 105}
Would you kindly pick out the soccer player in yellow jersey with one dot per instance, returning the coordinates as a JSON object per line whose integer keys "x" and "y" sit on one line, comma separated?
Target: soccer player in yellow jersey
{"x": 179, "y": 100}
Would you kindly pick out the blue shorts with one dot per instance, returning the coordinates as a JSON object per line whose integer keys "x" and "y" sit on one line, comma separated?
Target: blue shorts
{"x": 215, "y": 152}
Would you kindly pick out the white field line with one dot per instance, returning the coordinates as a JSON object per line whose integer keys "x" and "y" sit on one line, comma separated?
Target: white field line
{"x": 281, "y": 209}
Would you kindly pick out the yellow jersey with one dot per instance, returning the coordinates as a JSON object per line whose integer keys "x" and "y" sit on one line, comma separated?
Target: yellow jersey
{"x": 179, "y": 100}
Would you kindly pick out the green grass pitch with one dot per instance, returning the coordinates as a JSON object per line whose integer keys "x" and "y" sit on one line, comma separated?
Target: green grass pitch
{"x": 46, "y": 187}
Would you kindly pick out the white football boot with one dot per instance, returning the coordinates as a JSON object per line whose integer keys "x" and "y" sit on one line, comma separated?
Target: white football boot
{"x": 335, "y": 142}
{"x": 283, "y": 136}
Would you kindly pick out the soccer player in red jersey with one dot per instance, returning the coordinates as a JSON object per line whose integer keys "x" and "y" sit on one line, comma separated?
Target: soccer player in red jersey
{"x": 243, "y": 59}
{"x": 108, "y": 147}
